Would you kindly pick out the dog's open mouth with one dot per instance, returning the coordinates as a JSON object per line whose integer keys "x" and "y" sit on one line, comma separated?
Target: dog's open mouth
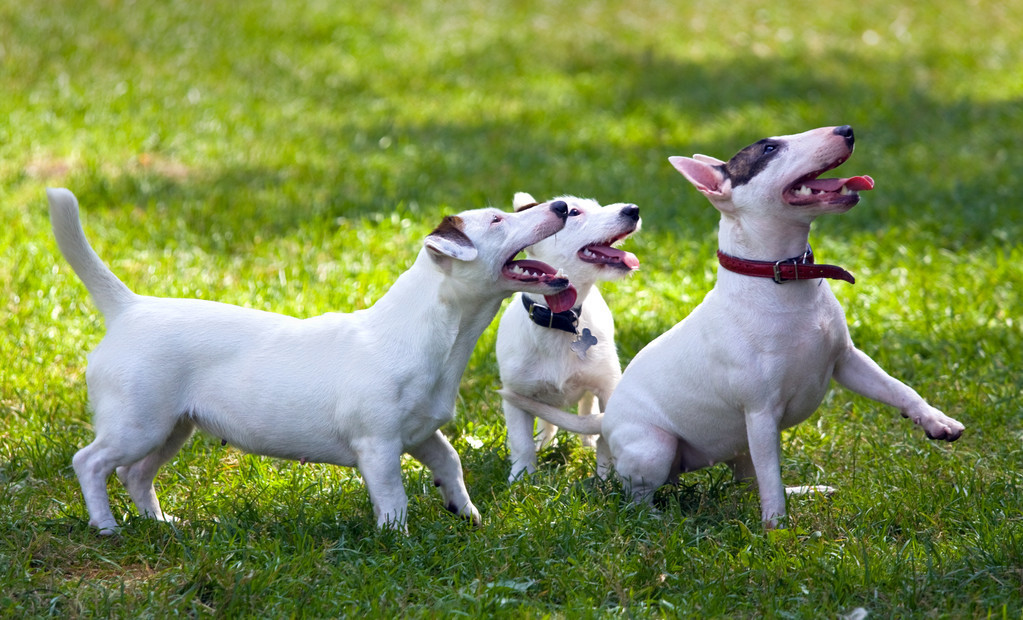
{"x": 529, "y": 270}
{"x": 606, "y": 254}
{"x": 810, "y": 190}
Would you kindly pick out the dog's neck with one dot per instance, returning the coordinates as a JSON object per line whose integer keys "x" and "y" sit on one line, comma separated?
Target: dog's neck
{"x": 756, "y": 239}
{"x": 421, "y": 317}
{"x": 763, "y": 239}
{"x": 582, "y": 289}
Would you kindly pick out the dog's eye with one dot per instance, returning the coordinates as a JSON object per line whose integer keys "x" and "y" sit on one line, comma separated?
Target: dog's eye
{"x": 769, "y": 148}
{"x": 497, "y": 218}
{"x": 574, "y": 212}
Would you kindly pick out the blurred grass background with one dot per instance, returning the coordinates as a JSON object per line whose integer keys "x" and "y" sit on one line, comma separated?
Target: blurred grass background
{"x": 291, "y": 156}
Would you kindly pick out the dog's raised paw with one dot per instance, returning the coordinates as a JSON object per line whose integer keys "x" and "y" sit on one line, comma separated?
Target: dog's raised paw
{"x": 942, "y": 428}
{"x": 946, "y": 434}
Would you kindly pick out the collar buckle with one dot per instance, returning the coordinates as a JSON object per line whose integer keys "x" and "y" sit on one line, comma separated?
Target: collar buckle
{"x": 806, "y": 258}
{"x": 780, "y": 279}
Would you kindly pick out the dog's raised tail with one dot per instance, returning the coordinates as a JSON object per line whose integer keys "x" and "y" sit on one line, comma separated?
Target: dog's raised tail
{"x": 582, "y": 424}
{"x": 108, "y": 292}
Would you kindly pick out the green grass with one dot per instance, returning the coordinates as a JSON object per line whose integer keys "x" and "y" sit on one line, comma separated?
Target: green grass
{"x": 291, "y": 156}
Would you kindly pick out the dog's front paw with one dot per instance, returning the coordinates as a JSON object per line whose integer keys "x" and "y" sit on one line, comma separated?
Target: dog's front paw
{"x": 947, "y": 432}
{"x": 939, "y": 426}
{"x": 467, "y": 512}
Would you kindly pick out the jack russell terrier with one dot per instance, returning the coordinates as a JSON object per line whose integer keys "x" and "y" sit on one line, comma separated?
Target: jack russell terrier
{"x": 353, "y": 389}
{"x": 563, "y": 352}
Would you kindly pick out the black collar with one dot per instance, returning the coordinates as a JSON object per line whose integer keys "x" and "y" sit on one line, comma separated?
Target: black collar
{"x": 541, "y": 315}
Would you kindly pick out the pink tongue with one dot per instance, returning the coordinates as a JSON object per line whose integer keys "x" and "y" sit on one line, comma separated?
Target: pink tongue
{"x": 855, "y": 184}
{"x": 630, "y": 260}
{"x": 626, "y": 258}
{"x": 860, "y": 184}
{"x": 529, "y": 264}
{"x": 559, "y": 302}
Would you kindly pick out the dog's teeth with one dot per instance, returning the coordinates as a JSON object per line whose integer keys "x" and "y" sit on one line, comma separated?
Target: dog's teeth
{"x": 804, "y": 191}
{"x": 845, "y": 191}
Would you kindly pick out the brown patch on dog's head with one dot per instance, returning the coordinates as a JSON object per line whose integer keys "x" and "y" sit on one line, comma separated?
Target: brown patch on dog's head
{"x": 448, "y": 239}
{"x": 451, "y": 228}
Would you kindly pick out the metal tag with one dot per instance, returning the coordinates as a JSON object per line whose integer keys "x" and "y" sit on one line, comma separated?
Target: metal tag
{"x": 584, "y": 342}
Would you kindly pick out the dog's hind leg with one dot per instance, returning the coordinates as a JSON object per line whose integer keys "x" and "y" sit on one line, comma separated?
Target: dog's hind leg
{"x": 521, "y": 449}
{"x": 138, "y": 477}
{"x": 644, "y": 456}
{"x": 129, "y": 426}
{"x": 546, "y": 432}
{"x": 437, "y": 454}
{"x": 604, "y": 459}
{"x": 93, "y": 465}
{"x": 588, "y": 405}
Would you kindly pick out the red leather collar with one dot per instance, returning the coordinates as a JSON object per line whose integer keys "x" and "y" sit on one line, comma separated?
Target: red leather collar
{"x": 799, "y": 267}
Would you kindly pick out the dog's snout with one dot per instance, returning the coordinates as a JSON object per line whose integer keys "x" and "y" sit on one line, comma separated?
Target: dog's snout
{"x": 846, "y": 131}
{"x": 560, "y": 208}
{"x": 631, "y": 212}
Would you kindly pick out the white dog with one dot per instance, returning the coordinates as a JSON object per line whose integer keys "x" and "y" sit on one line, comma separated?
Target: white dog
{"x": 758, "y": 354}
{"x": 354, "y": 389}
{"x": 563, "y": 352}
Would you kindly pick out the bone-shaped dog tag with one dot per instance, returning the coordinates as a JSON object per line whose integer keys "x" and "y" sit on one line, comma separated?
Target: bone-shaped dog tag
{"x": 584, "y": 342}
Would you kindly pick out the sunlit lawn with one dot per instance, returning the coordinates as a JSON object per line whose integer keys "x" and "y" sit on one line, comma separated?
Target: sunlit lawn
{"x": 291, "y": 157}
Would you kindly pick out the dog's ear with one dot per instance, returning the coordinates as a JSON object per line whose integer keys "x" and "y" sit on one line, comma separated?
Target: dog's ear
{"x": 707, "y": 159}
{"x": 448, "y": 240}
{"x": 709, "y": 178}
{"x": 523, "y": 201}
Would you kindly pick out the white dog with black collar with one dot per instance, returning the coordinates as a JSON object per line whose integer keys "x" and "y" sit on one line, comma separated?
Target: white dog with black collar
{"x": 560, "y": 350}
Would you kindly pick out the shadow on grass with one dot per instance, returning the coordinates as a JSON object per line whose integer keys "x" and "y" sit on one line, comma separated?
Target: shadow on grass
{"x": 944, "y": 165}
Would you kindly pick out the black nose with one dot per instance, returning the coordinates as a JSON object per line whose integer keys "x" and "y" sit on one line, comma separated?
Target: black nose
{"x": 631, "y": 212}
{"x": 846, "y": 132}
{"x": 559, "y": 207}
